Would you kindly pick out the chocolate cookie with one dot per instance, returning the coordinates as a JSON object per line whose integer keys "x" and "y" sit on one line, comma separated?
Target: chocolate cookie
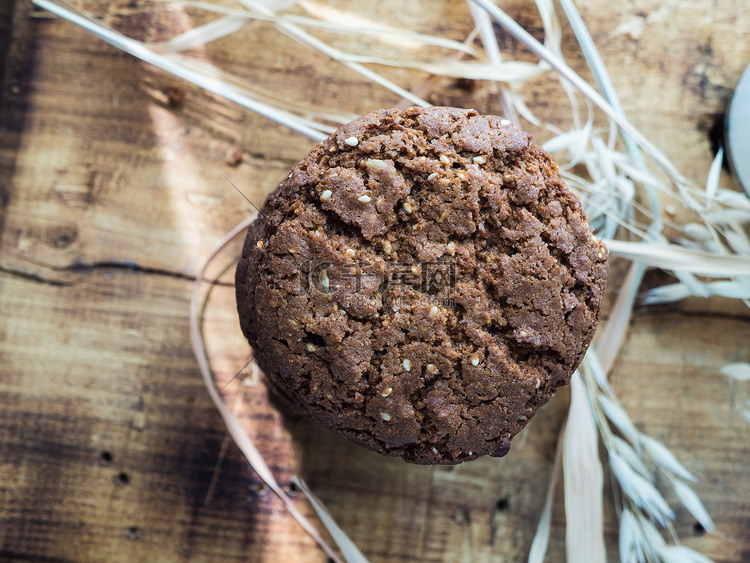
{"x": 421, "y": 283}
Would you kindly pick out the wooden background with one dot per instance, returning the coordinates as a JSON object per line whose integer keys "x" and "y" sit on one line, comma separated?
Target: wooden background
{"x": 110, "y": 197}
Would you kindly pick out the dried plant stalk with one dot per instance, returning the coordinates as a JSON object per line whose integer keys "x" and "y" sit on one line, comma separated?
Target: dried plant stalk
{"x": 584, "y": 529}
{"x": 235, "y": 429}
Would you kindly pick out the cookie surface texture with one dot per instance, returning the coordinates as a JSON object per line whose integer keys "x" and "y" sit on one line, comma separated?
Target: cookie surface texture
{"x": 421, "y": 283}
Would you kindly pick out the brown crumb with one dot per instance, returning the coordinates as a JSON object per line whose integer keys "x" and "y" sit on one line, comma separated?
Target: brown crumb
{"x": 175, "y": 96}
{"x": 234, "y": 157}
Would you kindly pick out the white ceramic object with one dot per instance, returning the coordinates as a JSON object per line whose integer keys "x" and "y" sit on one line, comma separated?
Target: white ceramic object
{"x": 737, "y": 132}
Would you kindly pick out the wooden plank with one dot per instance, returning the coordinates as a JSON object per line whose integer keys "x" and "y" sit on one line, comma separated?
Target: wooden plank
{"x": 110, "y": 197}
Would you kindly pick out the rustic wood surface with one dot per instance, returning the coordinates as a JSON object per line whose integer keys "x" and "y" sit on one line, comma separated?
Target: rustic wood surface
{"x": 111, "y": 196}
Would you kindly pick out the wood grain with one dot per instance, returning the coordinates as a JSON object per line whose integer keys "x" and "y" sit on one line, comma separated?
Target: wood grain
{"x": 110, "y": 197}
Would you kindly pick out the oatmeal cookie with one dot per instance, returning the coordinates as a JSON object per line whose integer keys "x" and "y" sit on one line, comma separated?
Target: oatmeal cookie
{"x": 421, "y": 283}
